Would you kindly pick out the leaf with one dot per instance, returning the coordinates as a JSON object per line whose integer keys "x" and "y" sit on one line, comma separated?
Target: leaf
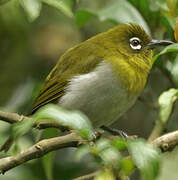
{"x": 122, "y": 12}
{"x": 119, "y": 144}
{"x": 81, "y": 152}
{"x": 127, "y": 166}
{"x": 48, "y": 159}
{"x": 47, "y": 162}
{"x": 166, "y": 101}
{"x": 105, "y": 174}
{"x": 72, "y": 119}
{"x": 83, "y": 16}
{"x": 108, "y": 154}
{"x": 167, "y": 49}
{"x": 63, "y": 5}
{"x": 32, "y": 8}
{"x": 22, "y": 127}
{"x": 146, "y": 158}
{"x": 118, "y": 11}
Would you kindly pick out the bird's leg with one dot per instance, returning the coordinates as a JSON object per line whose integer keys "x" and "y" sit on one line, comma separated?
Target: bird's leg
{"x": 115, "y": 132}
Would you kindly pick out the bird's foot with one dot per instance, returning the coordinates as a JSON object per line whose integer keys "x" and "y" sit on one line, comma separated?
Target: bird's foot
{"x": 116, "y": 132}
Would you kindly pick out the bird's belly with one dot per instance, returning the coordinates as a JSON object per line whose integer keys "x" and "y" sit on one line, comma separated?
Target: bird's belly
{"x": 99, "y": 95}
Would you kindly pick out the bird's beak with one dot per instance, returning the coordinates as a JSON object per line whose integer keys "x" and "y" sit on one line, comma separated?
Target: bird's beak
{"x": 155, "y": 43}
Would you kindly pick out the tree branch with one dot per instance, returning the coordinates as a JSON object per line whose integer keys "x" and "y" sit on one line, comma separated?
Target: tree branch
{"x": 88, "y": 176}
{"x": 11, "y": 117}
{"x": 157, "y": 130}
{"x": 14, "y": 118}
{"x": 39, "y": 149}
{"x": 165, "y": 143}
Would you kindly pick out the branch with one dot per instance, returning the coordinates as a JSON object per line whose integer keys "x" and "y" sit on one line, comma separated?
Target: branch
{"x": 88, "y": 176}
{"x": 39, "y": 149}
{"x": 11, "y": 117}
{"x": 166, "y": 142}
{"x": 157, "y": 130}
{"x": 14, "y": 118}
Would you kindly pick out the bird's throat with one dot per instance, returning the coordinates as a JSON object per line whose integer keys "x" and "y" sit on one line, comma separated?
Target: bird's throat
{"x": 131, "y": 75}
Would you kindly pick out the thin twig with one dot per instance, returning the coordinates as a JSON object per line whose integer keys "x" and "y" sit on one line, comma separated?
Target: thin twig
{"x": 41, "y": 148}
{"x": 11, "y": 117}
{"x": 14, "y": 118}
{"x": 166, "y": 142}
{"x": 88, "y": 176}
{"x": 38, "y": 150}
{"x": 157, "y": 130}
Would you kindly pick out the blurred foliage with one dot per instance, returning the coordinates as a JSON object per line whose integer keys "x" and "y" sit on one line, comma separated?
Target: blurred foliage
{"x": 70, "y": 119}
{"x": 35, "y": 33}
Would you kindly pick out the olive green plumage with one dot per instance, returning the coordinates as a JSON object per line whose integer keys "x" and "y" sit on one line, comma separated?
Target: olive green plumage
{"x": 119, "y": 58}
{"x": 83, "y": 58}
{"x": 102, "y": 76}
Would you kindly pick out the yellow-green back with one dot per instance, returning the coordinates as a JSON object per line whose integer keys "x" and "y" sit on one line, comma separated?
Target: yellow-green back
{"x": 112, "y": 46}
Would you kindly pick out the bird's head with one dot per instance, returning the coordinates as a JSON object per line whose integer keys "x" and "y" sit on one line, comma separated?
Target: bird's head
{"x": 135, "y": 44}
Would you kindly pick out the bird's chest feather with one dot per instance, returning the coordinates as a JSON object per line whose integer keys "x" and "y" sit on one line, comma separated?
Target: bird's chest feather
{"x": 99, "y": 95}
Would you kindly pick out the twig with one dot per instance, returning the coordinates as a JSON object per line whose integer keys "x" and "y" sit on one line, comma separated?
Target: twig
{"x": 11, "y": 117}
{"x": 14, "y": 118}
{"x": 38, "y": 150}
{"x": 166, "y": 142}
{"x": 88, "y": 176}
{"x": 157, "y": 130}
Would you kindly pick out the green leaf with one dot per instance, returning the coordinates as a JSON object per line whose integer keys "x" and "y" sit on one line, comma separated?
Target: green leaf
{"x": 146, "y": 158}
{"x": 105, "y": 174}
{"x": 127, "y": 166}
{"x": 48, "y": 159}
{"x": 170, "y": 48}
{"x": 118, "y": 11}
{"x": 166, "y": 101}
{"x": 32, "y": 8}
{"x": 63, "y": 5}
{"x": 21, "y": 128}
{"x": 72, "y": 119}
{"x": 83, "y": 16}
{"x": 81, "y": 152}
{"x": 119, "y": 144}
{"x": 122, "y": 12}
{"x": 47, "y": 162}
{"x": 108, "y": 154}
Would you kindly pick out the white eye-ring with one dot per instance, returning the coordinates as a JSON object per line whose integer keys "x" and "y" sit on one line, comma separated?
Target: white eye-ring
{"x": 135, "y": 43}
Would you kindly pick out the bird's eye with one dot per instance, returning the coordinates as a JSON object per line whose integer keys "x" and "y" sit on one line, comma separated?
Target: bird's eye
{"x": 135, "y": 43}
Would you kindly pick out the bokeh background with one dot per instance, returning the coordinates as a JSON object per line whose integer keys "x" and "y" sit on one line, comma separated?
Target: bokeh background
{"x": 34, "y": 34}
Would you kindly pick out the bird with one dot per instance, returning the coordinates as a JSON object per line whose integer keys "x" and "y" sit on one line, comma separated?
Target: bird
{"x": 102, "y": 76}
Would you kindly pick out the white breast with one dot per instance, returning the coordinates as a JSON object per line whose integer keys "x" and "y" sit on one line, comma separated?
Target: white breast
{"x": 99, "y": 95}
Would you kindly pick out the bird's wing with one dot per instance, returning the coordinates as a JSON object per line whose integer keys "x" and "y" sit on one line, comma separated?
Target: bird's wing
{"x": 68, "y": 66}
